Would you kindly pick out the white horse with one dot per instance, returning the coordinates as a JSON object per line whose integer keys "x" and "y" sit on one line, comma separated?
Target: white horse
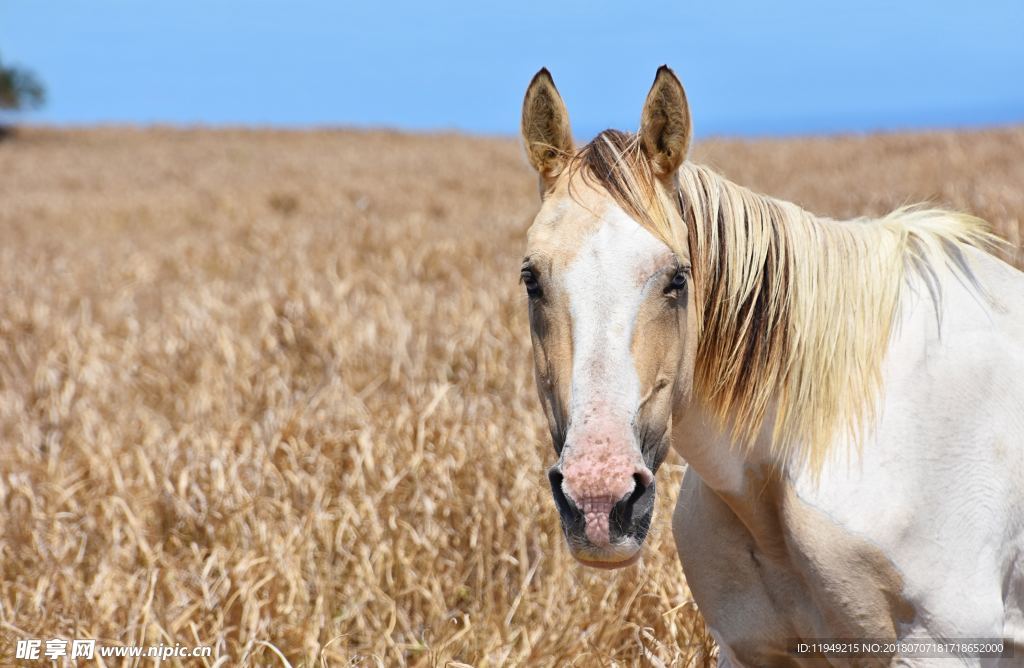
{"x": 848, "y": 395}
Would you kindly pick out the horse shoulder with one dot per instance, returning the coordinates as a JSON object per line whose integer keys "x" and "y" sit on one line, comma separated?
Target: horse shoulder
{"x": 934, "y": 487}
{"x": 817, "y": 582}
{"x": 740, "y": 604}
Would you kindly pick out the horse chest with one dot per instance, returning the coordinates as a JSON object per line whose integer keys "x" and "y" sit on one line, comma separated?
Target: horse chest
{"x": 814, "y": 582}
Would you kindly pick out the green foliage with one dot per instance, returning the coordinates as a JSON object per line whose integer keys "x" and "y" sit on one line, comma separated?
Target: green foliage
{"x": 20, "y": 89}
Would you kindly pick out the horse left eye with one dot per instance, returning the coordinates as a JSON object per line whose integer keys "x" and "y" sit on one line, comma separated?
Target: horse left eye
{"x": 678, "y": 282}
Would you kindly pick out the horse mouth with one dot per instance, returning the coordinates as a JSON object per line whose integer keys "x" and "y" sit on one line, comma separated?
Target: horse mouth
{"x": 618, "y": 556}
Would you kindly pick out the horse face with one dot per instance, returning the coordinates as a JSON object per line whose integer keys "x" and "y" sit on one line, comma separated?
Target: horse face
{"x": 608, "y": 312}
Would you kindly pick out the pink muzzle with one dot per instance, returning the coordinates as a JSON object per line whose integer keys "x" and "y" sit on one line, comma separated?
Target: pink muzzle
{"x": 596, "y": 476}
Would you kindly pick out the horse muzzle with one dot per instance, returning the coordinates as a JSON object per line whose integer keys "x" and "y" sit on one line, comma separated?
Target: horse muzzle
{"x": 605, "y": 530}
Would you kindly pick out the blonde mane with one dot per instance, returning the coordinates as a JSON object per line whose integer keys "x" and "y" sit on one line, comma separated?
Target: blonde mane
{"x": 794, "y": 311}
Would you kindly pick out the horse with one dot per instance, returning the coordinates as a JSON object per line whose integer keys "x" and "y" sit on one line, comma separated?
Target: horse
{"x": 848, "y": 396}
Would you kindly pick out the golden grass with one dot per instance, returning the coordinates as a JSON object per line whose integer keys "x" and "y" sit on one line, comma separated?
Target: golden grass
{"x": 272, "y": 392}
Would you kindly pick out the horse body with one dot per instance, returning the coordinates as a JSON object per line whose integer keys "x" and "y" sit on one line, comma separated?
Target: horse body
{"x": 848, "y": 395}
{"x": 919, "y": 535}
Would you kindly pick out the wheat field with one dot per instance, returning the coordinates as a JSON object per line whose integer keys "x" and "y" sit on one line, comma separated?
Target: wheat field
{"x": 271, "y": 392}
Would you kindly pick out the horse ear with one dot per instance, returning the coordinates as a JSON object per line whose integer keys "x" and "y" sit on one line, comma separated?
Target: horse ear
{"x": 545, "y": 127}
{"x": 665, "y": 127}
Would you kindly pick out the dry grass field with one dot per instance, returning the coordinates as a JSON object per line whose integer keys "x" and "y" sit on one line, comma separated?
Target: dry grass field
{"x": 271, "y": 392}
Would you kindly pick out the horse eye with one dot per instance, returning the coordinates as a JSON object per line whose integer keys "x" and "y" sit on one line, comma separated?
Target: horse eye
{"x": 678, "y": 282}
{"x": 530, "y": 281}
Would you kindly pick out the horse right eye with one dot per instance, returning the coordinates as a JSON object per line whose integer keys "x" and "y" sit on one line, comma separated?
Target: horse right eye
{"x": 531, "y": 283}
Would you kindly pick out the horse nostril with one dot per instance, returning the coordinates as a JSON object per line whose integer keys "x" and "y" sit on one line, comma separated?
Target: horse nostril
{"x": 622, "y": 512}
{"x": 643, "y": 477}
{"x": 639, "y": 487}
{"x": 572, "y": 518}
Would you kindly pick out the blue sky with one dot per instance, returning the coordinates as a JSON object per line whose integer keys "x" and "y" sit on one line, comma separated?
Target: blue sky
{"x": 750, "y": 68}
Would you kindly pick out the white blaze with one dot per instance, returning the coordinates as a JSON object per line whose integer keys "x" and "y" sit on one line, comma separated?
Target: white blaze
{"x": 606, "y": 284}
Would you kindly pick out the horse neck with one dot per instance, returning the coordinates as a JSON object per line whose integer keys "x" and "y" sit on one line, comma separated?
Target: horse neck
{"x": 743, "y": 265}
{"x": 749, "y": 480}
{"x": 770, "y": 282}
{"x": 731, "y": 442}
